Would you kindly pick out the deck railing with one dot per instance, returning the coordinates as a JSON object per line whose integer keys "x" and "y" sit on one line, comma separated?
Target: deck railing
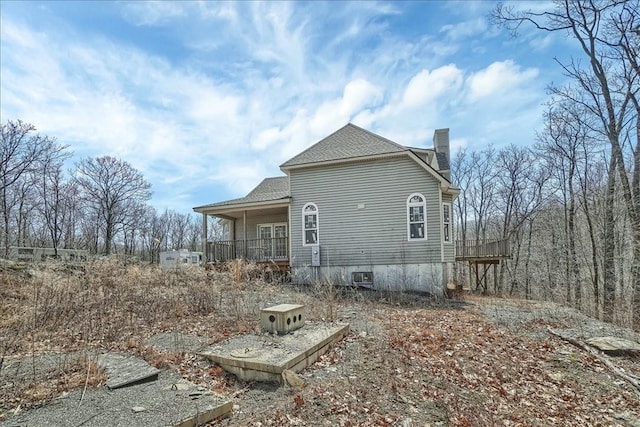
{"x": 274, "y": 249}
{"x": 478, "y": 249}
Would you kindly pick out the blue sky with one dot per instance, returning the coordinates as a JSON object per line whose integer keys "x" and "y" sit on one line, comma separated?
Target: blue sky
{"x": 207, "y": 98}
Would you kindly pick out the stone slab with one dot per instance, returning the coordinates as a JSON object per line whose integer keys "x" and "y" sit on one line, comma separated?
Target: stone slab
{"x": 614, "y": 345}
{"x": 264, "y": 357}
{"x": 123, "y": 370}
{"x": 169, "y": 401}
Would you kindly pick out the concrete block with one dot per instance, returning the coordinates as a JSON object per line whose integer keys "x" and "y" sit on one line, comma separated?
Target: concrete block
{"x": 282, "y": 319}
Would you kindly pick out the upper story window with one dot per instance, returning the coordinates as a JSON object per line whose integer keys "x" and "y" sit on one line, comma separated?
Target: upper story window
{"x": 416, "y": 217}
{"x": 446, "y": 222}
{"x": 310, "y": 224}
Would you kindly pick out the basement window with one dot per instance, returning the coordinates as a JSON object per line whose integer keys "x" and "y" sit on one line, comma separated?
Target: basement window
{"x": 362, "y": 278}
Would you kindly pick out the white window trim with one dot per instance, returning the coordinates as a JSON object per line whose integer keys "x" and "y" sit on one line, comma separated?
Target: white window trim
{"x": 304, "y": 237}
{"x": 450, "y": 241}
{"x": 273, "y": 228}
{"x": 424, "y": 206}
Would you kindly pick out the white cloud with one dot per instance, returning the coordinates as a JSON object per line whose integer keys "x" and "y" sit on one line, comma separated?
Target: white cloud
{"x": 426, "y": 86}
{"x": 498, "y": 79}
{"x": 153, "y": 12}
{"x": 465, "y": 29}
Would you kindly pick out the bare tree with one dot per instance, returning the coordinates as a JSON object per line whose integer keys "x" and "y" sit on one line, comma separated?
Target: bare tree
{"x": 112, "y": 189}
{"x": 607, "y": 33}
{"x": 520, "y": 183}
{"x": 52, "y": 204}
{"x": 21, "y": 152}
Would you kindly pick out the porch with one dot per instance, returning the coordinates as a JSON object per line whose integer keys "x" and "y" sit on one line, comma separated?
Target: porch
{"x": 272, "y": 250}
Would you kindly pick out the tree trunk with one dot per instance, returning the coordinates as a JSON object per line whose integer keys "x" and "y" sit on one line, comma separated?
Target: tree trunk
{"x": 609, "y": 285}
{"x": 573, "y": 257}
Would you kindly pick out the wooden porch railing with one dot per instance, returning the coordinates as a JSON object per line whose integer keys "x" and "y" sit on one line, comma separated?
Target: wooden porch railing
{"x": 274, "y": 249}
{"x": 478, "y": 249}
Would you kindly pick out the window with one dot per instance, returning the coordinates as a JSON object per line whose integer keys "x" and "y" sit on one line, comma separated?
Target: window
{"x": 446, "y": 222}
{"x": 310, "y": 224}
{"x": 226, "y": 230}
{"x": 416, "y": 217}
{"x": 362, "y": 278}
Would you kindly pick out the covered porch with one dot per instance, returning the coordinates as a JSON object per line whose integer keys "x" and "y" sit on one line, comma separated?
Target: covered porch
{"x": 254, "y": 233}
{"x": 253, "y": 228}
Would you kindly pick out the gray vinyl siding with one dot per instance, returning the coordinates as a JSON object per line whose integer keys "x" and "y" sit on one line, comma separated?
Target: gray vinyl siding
{"x": 376, "y": 234}
{"x": 252, "y": 224}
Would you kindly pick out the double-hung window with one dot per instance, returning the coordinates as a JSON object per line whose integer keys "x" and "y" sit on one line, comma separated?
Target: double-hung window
{"x": 446, "y": 222}
{"x": 416, "y": 217}
{"x": 310, "y": 228}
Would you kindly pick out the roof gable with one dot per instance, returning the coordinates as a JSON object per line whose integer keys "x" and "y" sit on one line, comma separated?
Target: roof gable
{"x": 270, "y": 189}
{"x": 348, "y": 142}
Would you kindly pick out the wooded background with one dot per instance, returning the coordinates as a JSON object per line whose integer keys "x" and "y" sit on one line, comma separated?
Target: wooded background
{"x": 569, "y": 202}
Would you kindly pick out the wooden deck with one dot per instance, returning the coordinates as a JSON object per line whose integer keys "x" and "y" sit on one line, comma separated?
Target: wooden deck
{"x": 481, "y": 255}
{"x": 472, "y": 250}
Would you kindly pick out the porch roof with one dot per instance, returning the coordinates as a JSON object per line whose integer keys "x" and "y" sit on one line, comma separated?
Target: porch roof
{"x": 270, "y": 191}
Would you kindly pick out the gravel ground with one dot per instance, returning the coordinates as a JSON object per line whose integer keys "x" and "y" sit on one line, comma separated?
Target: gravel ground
{"x": 367, "y": 378}
{"x": 157, "y": 403}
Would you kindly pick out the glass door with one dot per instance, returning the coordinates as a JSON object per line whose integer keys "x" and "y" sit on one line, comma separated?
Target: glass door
{"x": 272, "y": 240}
{"x": 265, "y": 233}
{"x": 280, "y": 241}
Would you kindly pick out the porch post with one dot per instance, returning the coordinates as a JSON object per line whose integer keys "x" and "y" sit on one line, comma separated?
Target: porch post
{"x": 244, "y": 227}
{"x": 204, "y": 238}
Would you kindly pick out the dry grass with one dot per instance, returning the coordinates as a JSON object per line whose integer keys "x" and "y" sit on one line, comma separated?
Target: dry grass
{"x": 55, "y": 309}
{"x": 407, "y": 361}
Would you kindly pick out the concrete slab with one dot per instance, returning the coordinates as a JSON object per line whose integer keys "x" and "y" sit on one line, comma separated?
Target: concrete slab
{"x": 169, "y": 401}
{"x": 123, "y": 370}
{"x": 264, "y": 357}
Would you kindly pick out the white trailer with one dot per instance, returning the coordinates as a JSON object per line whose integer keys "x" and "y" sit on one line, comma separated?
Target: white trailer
{"x": 181, "y": 257}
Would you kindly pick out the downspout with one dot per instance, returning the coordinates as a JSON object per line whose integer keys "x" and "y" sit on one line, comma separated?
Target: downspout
{"x": 289, "y": 234}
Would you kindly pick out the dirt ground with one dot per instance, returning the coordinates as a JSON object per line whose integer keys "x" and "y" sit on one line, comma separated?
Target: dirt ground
{"x": 409, "y": 360}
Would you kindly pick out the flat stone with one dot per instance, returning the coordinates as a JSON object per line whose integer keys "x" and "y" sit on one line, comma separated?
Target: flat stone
{"x": 137, "y": 409}
{"x": 614, "y": 346}
{"x": 124, "y": 370}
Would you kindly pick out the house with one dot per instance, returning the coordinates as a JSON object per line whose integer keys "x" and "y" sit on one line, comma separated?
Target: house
{"x": 353, "y": 208}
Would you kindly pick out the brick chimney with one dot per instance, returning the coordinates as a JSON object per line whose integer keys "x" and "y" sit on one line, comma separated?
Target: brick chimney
{"x": 441, "y": 145}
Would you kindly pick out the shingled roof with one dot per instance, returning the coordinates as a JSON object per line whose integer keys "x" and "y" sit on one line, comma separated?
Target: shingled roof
{"x": 270, "y": 189}
{"x": 347, "y": 142}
